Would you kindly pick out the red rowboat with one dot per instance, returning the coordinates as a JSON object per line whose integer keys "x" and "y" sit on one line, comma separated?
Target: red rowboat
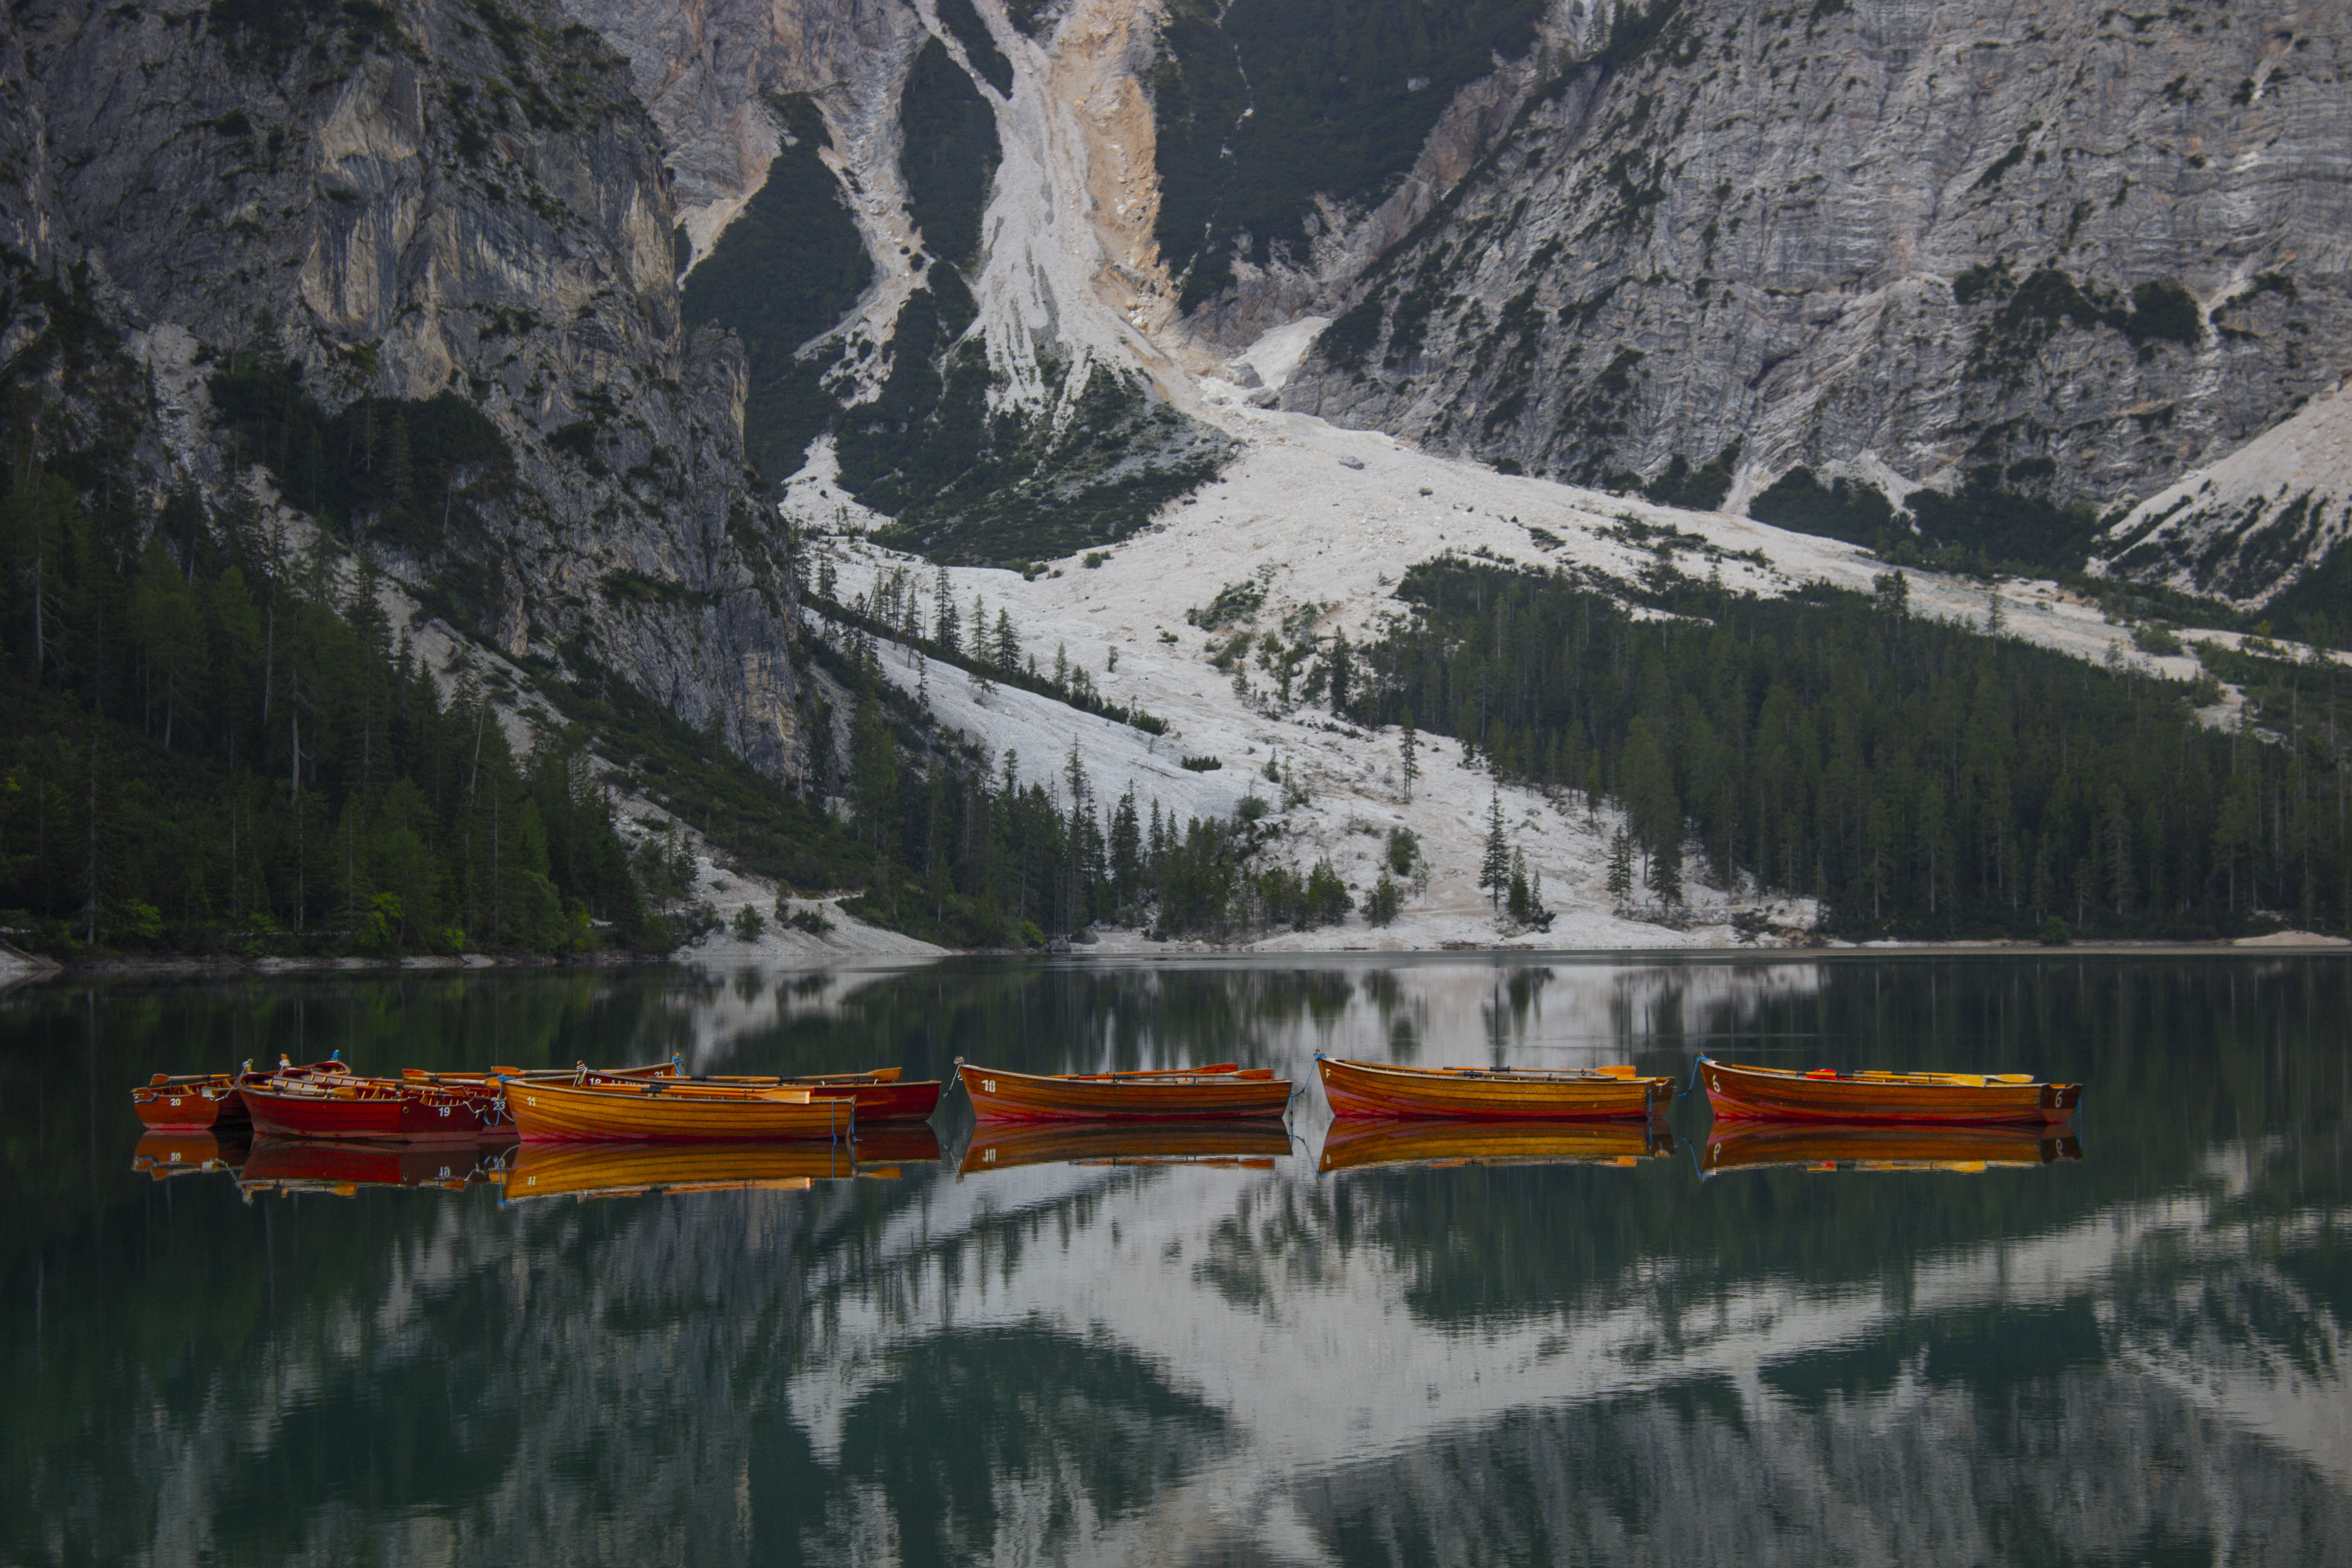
{"x": 1224, "y": 1090}
{"x": 1829, "y": 1095}
{"x": 1878, "y": 1146}
{"x": 1243, "y": 1145}
{"x": 879, "y": 1094}
{"x": 210, "y": 1100}
{"x": 346, "y": 1105}
{"x": 1502, "y": 1094}
{"x": 1362, "y": 1144}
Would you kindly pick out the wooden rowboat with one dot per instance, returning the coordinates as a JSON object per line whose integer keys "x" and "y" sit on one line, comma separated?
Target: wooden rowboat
{"x": 1880, "y": 1146}
{"x": 1225, "y": 1090}
{"x": 1502, "y": 1094}
{"x": 670, "y": 1111}
{"x": 1240, "y": 1145}
{"x": 387, "y": 1109}
{"x": 196, "y": 1103}
{"x": 581, "y": 1170}
{"x": 1362, "y": 1144}
{"x": 1829, "y": 1095}
{"x": 214, "y": 1098}
{"x": 879, "y": 1093}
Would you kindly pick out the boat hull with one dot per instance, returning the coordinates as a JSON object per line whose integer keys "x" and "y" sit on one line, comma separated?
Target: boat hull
{"x": 1766, "y": 1094}
{"x": 1235, "y": 1095}
{"x": 190, "y": 1105}
{"x": 1886, "y": 1146}
{"x": 380, "y": 1110}
{"x": 1368, "y": 1090}
{"x": 1366, "y": 1144}
{"x": 556, "y": 1112}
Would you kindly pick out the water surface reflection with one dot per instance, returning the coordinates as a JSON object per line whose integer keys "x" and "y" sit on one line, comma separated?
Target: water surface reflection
{"x": 1324, "y": 1346}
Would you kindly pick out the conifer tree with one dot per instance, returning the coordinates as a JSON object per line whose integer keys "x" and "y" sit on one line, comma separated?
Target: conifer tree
{"x": 1620, "y": 865}
{"x": 1409, "y": 746}
{"x": 946, "y": 630}
{"x": 1495, "y": 866}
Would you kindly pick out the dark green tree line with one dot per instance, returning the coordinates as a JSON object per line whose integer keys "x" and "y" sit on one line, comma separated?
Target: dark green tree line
{"x": 215, "y": 741}
{"x": 1917, "y": 775}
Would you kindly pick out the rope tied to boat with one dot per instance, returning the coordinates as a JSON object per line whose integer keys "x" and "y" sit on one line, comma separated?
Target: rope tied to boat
{"x": 1694, "y": 1079}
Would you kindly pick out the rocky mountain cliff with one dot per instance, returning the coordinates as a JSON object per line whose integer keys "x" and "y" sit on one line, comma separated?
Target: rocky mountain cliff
{"x": 2033, "y": 256}
{"x": 2063, "y": 250}
{"x": 406, "y": 272}
{"x": 992, "y": 266}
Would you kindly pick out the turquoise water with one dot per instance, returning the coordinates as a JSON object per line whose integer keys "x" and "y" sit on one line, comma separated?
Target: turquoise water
{"x": 2126, "y": 1349}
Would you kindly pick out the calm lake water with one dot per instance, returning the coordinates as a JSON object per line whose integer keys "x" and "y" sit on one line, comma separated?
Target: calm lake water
{"x": 2127, "y": 1349}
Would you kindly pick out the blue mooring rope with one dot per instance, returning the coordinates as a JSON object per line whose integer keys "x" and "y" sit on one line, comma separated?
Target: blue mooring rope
{"x": 1694, "y": 1079}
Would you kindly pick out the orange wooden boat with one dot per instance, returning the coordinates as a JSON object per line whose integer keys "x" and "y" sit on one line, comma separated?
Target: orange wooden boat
{"x": 164, "y": 1154}
{"x": 341, "y": 1166}
{"x": 1356, "y": 1145}
{"x": 194, "y": 1102}
{"x": 678, "y": 1110}
{"x": 1828, "y": 1094}
{"x": 1224, "y": 1090}
{"x": 584, "y": 1170}
{"x": 1241, "y": 1145}
{"x": 1501, "y": 1094}
{"x": 879, "y": 1093}
{"x": 1880, "y": 1146}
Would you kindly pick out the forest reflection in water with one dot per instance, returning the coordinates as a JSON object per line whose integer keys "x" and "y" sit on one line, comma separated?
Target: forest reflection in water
{"x": 1313, "y": 1346}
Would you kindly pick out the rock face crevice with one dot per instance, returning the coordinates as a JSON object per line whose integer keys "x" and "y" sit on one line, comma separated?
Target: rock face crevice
{"x": 2083, "y": 249}
{"x": 426, "y": 201}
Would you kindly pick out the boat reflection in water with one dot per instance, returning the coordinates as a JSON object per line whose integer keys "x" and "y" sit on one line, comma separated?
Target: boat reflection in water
{"x": 635, "y": 1170}
{"x": 1829, "y": 1146}
{"x": 164, "y": 1155}
{"x": 343, "y": 1167}
{"x": 1361, "y": 1146}
{"x": 1239, "y": 1145}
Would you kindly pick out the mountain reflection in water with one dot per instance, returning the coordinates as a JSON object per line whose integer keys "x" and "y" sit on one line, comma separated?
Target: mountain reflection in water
{"x": 1323, "y": 1345}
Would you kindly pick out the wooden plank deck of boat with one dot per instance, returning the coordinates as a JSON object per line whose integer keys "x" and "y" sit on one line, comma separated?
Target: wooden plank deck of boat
{"x": 1739, "y": 1093}
{"x": 1224, "y": 1090}
{"x": 1504, "y": 1094}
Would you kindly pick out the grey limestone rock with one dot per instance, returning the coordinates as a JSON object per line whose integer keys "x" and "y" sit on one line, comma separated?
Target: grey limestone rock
{"x": 407, "y": 201}
{"x": 2088, "y": 249}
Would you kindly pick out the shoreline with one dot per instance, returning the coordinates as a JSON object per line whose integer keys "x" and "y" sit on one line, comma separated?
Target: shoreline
{"x": 17, "y": 968}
